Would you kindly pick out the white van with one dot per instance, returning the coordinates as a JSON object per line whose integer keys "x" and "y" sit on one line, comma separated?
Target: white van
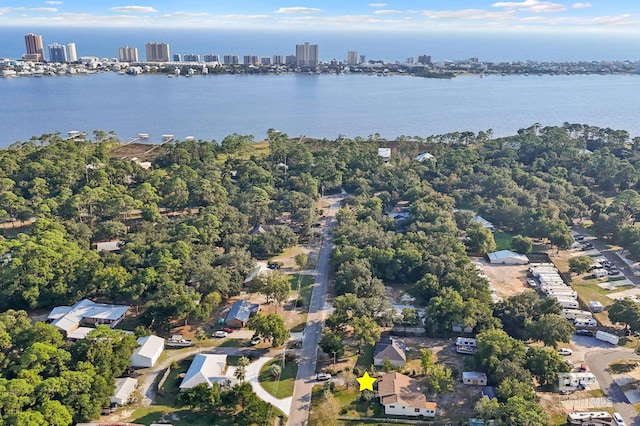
{"x": 618, "y": 420}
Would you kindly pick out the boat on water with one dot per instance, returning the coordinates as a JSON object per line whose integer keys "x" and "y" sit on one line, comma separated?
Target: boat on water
{"x": 177, "y": 341}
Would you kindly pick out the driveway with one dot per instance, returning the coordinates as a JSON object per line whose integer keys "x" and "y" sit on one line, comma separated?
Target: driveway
{"x": 317, "y": 312}
{"x": 598, "y": 361}
{"x": 251, "y": 376}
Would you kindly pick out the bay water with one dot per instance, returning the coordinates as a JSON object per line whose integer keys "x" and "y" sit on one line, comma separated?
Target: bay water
{"x": 324, "y": 106}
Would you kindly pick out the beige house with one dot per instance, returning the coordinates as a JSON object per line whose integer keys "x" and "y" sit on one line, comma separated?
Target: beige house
{"x": 400, "y": 396}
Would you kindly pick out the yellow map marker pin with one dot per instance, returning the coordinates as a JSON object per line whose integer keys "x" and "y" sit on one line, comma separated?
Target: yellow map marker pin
{"x": 366, "y": 382}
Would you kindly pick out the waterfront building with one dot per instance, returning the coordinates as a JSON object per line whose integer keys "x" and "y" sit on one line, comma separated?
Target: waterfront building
{"x": 290, "y": 60}
{"x": 278, "y": 60}
{"x": 250, "y": 60}
{"x": 307, "y": 55}
{"x": 177, "y": 57}
{"x": 35, "y": 48}
{"x": 409, "y": 60}
{"x": 157, "y": 52}
{"x": 212, "y": 57}
{"x": 231, "y": 60}
{"x": 57, "y": 53}
{"x": 72, "y": 55}
{"x": 128, "y": 54}
{"x": 191, "y": 57}
{"x": 265, "y": 60}
{"x": 424, "y": 59}
{"x": 363, "y": 59}
{"x": 352, "y": 58}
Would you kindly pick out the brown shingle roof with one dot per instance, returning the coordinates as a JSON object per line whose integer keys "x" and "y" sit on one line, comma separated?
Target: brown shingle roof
{"x": 395, "y": 387}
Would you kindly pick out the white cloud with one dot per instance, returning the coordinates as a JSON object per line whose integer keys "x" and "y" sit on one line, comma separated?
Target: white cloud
{"x": 53, "y": 2}
{"x": 534, "y": 6}
{"x": 471, "y": 14}
{"x": 43, "y": 9}
{"x": 377, "y": 4}
{"x": 388, "y": 12}
{"x": 581, "y": 5}
{"x": 298, "y": 10}
{"x": 180, "y": 14}
{"x": 134, "y": 9}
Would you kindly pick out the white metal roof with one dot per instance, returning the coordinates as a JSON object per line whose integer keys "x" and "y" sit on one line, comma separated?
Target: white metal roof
{"x": 124, "y": 388}
{"x": 205, "y": 368}
{"x": 149, "y": 346}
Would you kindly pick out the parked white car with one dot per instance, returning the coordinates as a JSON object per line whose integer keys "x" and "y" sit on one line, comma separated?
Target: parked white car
{"x": 220, "y": 333}
{"x": 617, "y": 418}
{"x": 565, "y": 351}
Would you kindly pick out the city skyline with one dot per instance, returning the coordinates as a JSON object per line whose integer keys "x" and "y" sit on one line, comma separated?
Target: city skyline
{"x": 524, "y": 16}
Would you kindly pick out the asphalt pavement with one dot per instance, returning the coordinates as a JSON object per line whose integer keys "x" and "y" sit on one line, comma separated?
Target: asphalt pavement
{"x": 305, "y": 378}
{"x": 598, "y": 362}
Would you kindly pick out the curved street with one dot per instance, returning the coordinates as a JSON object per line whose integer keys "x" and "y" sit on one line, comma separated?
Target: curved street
{"x": 598, "y": 362}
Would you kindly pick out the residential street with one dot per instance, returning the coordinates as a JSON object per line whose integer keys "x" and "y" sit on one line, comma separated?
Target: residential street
{"x": 598, "y": 360}
{"x": 601, "y": 246}
{"x": 308, "y": 355}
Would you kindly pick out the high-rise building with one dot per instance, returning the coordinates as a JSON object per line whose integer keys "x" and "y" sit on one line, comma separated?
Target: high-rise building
{"x": 231, "y": 59}
{"x": 424, "y": 59}
{"x": 35, "y": 48}
{"x": 177, "y": 57}
{"x": 307, "y": 55}
{"x": 352, "y": 58}
{"x": 57, "y": 53}
{"x": 409, "y": 60}
{"x": 157, "y": 52}
{"x": 363, "y": 59}
{"x": 128, "y": 54}
{"x": 191, "y": 57}
{"x": 212, "y": 57}
{"x": 265, "y": 60}
{"x": 72, "y": 56}
{"x": 278, "y": 59}
{"x": 290, "y": 60}
{"x": 250, "y": 60}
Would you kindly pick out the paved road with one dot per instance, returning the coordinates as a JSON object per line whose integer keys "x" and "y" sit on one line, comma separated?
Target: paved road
{"x": 598, "y": 361}
{"x": 610, "y": 255}
{"x": 308, "y": 355}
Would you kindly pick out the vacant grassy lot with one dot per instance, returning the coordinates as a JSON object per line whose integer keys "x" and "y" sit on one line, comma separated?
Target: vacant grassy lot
{"x": 283, "y": 387}
{"x": 503, "y": 240}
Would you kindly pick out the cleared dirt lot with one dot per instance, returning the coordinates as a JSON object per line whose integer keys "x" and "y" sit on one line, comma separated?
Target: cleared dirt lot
{"x": 506, "y": 279}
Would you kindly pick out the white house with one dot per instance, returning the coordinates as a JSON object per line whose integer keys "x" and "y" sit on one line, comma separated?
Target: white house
{"x": 148, "y": 352}
{"x": 400, "y": 396}
{"x": 474, "y": 378}
{"x": 484, "y": 222}
{"x": 69, "y": 318}
{"x": 206, "y": 368}
{"x": 425, "y": 156}
{"x": 508, "y": 257}
{"x": 124, "y": 389}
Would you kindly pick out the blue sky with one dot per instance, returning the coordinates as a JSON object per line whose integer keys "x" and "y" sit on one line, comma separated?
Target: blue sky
{"x": 620, "y": 16}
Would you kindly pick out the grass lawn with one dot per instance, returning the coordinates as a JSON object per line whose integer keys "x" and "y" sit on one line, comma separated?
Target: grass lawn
{"x": 558, "y": 419}
{"x": 365, "y": 359}
{"x": 282, "y": 388}
{"x": 503, "y": 240}
{"x": 234, "y": 343}
{"x": 588, "y": 291}
{"x": 155, "y": 413}
{"x": 173, "y": 381}
{"x": 306, "y": 282}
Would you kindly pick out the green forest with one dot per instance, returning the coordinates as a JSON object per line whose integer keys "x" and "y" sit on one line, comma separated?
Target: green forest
{"x": 186, "y": 226}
